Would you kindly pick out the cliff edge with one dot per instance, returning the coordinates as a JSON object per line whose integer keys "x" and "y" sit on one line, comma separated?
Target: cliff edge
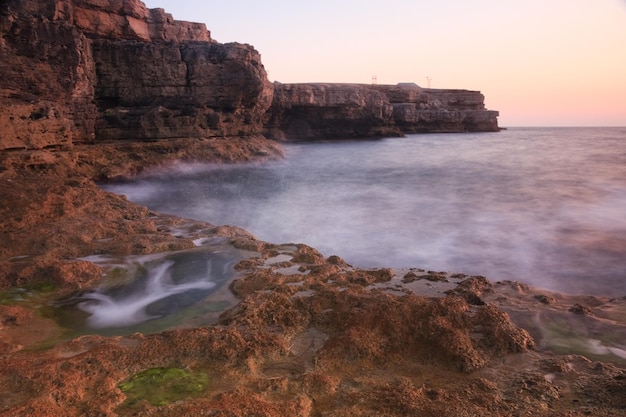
{"x": 85, "y": 71}
{"x": 337, "y": 111}
{"x": 91, "y": 70}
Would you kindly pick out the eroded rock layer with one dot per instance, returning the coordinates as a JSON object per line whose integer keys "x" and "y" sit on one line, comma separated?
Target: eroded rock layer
{"x": 295, "y": 333}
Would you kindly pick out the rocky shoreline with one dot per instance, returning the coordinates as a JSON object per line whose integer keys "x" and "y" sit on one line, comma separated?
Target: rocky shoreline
{"x": 307, "y": 335}
{"x": 93, "y": 91}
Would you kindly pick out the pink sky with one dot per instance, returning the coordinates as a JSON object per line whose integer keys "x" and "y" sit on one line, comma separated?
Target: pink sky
{"x": 540, "y": 63}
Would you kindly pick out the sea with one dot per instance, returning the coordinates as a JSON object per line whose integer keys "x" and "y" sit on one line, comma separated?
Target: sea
{"x": 543, "y": 206}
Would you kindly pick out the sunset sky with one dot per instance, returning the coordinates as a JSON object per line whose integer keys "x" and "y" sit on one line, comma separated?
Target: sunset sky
{"x": 540, "y": 63}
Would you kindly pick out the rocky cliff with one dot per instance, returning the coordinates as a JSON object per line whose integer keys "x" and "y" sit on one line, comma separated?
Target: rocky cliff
{"x": 330, "y": 111}
{"x": 83, "y": 71}
{"x": 418, "y": 110}
{"x": 76, "y": 71}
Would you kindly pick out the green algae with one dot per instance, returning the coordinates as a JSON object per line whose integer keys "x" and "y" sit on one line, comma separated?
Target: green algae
{"x": 162, "y": 386}
{"x": 32, "y": 295}
{"x": 593, "y": 338}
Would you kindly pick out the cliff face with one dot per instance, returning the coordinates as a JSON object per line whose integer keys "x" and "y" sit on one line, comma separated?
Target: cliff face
{"x": 76, "y": 71}
{"x": 330, "y": 111}
{"x": 202, "y": 89}
{"x": 315, "y": 111}
{"x": 46, "y": 88}
{"x": 83, "y": 71}
{"x": 418, "y": 109}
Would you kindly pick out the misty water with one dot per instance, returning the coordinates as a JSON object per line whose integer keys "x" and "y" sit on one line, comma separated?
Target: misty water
{"x": 544, "y": 206}
{"x": 151, "y": 293}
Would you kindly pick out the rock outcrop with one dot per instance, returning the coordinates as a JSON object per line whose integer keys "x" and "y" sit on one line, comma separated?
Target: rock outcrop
{"x": 420, "y": 110}
{"x": 83, "y": 71}
{"x": 329, "y": 111}
{"x": 334, "y": 111}
{"x": 202, "y": 90}
{"x": 47, "y": 82}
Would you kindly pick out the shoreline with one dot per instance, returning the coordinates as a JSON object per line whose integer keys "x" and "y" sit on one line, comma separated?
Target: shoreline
{"x": 310, "y": 335}
{"x": 287, "y": 331}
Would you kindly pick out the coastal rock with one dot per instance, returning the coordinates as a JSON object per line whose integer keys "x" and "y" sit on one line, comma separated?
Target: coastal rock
{"x": 188, "y": 89}
{"x": 339, "y": 111}
{"x": 309, "y": 335}
{"x": 57, "y": 213}
{"x": 110, "y": 70}
{"x": 100, "y": 70}
{"x": 329, "y": 111}
{"x": 46, "y": 88}
{"x": 420, "y": 110}
{"x": 311, "y": 344}
{"x": 130, "y": 20}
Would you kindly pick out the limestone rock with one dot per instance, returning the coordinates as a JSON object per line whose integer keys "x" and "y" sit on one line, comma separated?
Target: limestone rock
{"x": 115, "y": 19}
{"x": 417, "y": 110}
{"x": 92, "y": 70}
{"x": 188, "y": 89}
{"x": 81, "y": 71}
{"x": 46, "y": 88}
{"x": 313, "y": 111}
{"x": 336, "y": 111}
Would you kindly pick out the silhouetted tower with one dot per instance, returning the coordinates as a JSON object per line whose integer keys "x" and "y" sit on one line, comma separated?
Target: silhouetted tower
{"x": 428, "y": 80}
{"x": 374, "y": 80}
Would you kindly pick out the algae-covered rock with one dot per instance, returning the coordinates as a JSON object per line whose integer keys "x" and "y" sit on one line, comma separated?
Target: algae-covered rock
{"x": 162, "y": 386}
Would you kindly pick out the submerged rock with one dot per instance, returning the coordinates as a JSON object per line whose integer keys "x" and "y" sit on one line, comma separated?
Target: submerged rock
{"x": 162, "y": 386}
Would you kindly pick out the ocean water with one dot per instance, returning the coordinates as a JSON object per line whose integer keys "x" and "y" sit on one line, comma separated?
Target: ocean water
{"x": 544, "y": 206}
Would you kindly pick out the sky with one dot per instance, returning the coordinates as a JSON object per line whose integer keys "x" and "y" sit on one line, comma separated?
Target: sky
{"x": 539, "y": 62}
